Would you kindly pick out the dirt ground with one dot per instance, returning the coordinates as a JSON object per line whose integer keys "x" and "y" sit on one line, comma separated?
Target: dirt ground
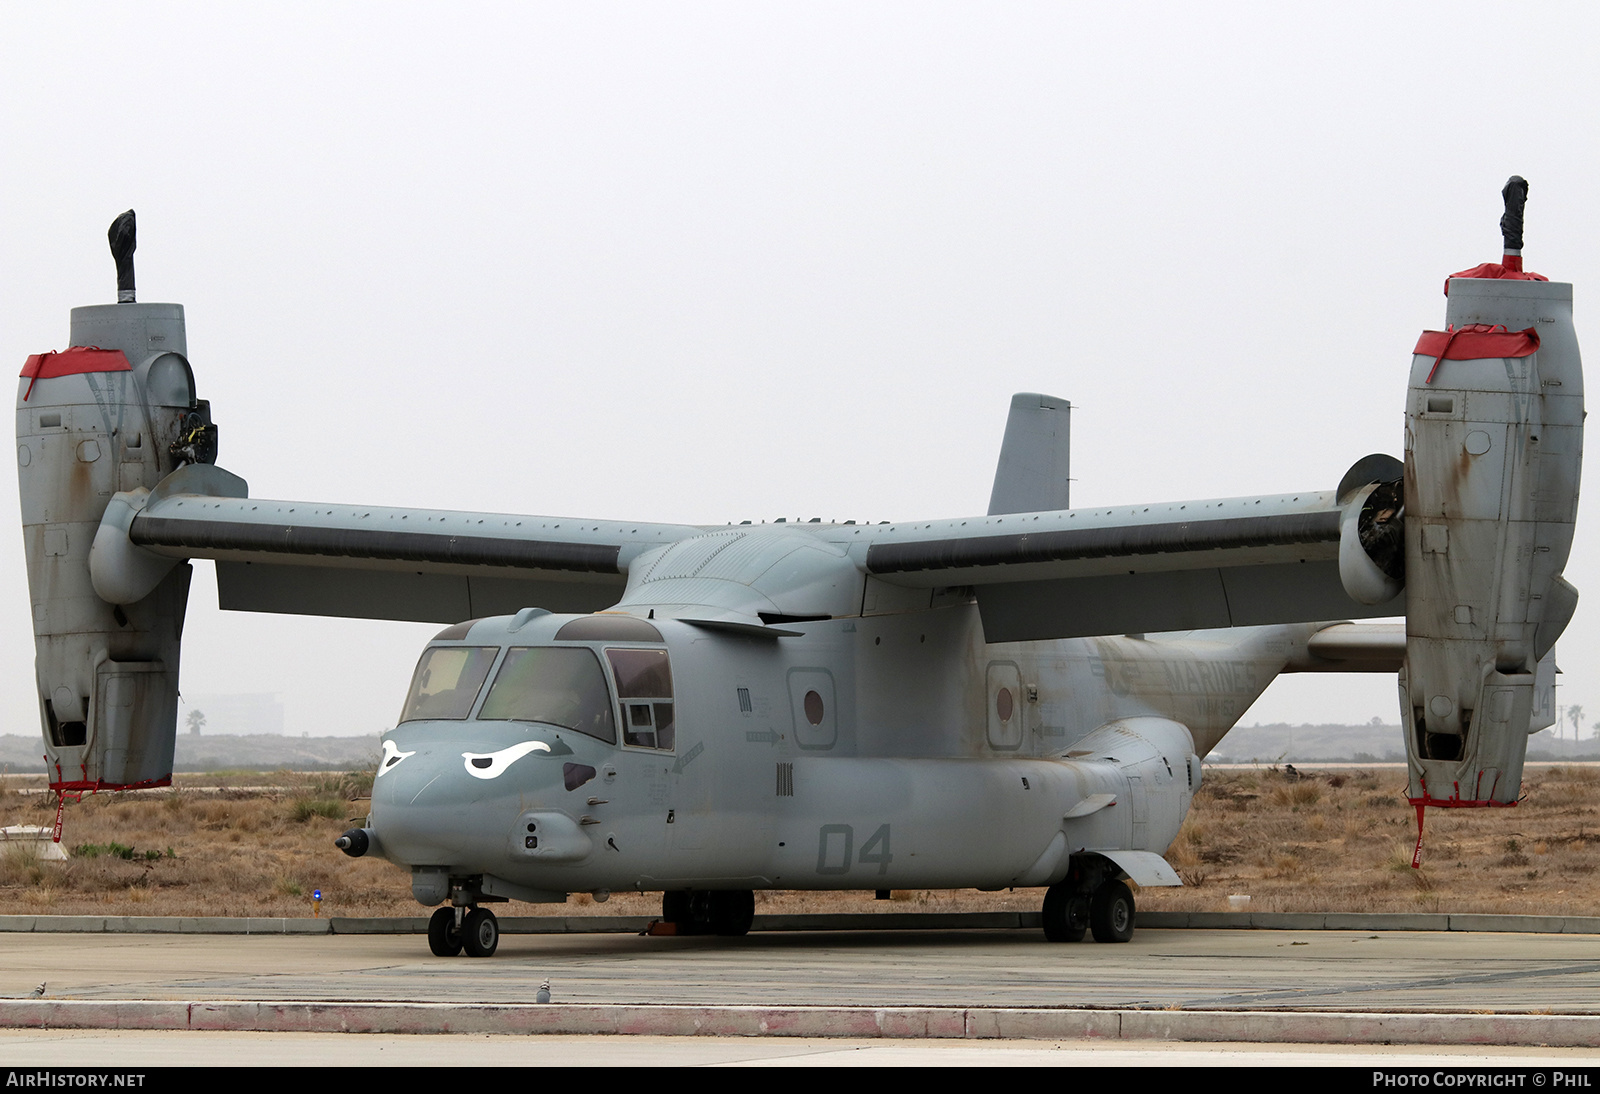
{"x": 259, "y": 844}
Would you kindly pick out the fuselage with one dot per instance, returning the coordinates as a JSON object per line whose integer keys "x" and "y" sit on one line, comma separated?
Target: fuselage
{"x": 559, "y": 753}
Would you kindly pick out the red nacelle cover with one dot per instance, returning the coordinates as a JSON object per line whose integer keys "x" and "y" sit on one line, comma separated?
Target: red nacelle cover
{"x": 71, "y": 362}
{"x": 1509, "y": 268}
{"x": 1475, "y": 341}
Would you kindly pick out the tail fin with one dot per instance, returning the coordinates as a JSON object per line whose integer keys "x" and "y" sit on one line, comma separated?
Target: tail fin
{"x": 1032, "y": 474}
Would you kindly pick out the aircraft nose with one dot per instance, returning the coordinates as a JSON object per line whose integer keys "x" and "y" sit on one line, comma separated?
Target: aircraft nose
{"x": 439, "y": 787}
{"x": 405, "y": 775}
{"x": 424, "y": 762}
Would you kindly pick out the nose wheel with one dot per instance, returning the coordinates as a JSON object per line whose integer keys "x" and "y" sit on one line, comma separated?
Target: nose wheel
{"x": 444, "y": 937}
{"x": 477, "y": 932}
{"x": 480, "y": 933}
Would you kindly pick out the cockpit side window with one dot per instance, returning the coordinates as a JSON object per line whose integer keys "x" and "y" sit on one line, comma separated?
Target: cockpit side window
{"x": 447, "y": 681}
{"x": 561, "y": 686}
{"x": 644, "y": 684}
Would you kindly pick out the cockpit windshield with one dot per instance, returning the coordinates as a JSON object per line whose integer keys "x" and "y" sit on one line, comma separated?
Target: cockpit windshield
{"x": 447, "y": 681}
{"x": 562, "y": 686}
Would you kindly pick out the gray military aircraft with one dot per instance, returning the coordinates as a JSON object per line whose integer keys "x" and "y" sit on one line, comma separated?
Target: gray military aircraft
{"x": 1019, "y": 698}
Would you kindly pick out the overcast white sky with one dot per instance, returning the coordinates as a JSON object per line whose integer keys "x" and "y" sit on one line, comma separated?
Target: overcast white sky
{"x": 711, "y": 262}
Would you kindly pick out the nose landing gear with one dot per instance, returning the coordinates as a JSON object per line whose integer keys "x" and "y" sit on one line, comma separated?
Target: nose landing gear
{"x": 452, "y": 929}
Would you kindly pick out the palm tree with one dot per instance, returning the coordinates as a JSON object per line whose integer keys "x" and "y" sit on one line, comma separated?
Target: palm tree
{"x": 1575, "y": 714}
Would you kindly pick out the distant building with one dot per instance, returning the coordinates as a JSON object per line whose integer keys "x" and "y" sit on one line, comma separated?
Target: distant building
{"x": 239, "y": 715}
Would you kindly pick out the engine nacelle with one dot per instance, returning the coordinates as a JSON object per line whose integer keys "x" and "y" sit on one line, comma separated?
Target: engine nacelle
{"x": 1372, "y": 560}
{"x": 115, "y": 414}
{"x": 1494, "y": 441}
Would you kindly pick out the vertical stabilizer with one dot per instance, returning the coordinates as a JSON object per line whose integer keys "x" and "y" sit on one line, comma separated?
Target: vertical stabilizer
{"x": 1032, "y": 474}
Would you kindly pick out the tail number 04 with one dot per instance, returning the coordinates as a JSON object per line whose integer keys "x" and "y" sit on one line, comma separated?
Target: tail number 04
{"x": 836, "y": 846}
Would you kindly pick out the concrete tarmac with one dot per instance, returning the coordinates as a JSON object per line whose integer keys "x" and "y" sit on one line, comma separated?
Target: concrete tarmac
{"x": 1189, "y": 969}
{"x": 884, "y": 988}
{"x": 130, "y": 1050}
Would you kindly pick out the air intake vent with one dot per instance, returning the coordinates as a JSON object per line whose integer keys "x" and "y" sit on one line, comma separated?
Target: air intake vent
{"x": 786, "y": 780}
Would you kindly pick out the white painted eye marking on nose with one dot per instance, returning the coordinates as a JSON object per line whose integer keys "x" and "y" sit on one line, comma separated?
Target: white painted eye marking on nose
{"x": 391, "y": 756}
{"x": 491, "y": 765}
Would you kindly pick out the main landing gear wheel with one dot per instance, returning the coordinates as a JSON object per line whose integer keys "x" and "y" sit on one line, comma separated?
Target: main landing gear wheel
{"x": 1111, "y": 913}
{"x": 732, "y": 911}
{"x": 727, "y": 912}
{"x": 480, "y": 933}
{"x": 675, "y": 909}
{"x": 444, "y": 939}
{"x": 1066, "y": 913}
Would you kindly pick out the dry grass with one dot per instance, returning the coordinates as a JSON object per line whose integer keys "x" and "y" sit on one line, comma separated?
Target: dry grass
{"x": 258, "y": 845}
{"x": 226, "y": 850}
{"x": 1344, "y": 843}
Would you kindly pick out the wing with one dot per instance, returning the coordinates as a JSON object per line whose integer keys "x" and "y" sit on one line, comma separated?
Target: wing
{"x": 1164, "y": 567}
{"x": 364, "y": 561}
{"x": 1193, "y": 565}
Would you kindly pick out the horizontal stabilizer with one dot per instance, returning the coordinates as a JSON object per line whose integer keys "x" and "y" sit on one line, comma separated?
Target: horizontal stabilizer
{"x": 1352, "y": 647}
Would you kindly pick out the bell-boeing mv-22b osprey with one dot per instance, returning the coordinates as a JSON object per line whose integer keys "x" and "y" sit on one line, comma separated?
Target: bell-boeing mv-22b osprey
{"x": 1020, "y": 698}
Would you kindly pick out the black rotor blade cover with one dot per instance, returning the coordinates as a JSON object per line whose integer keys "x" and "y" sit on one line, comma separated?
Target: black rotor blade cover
{"x": 123, "y": 237}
